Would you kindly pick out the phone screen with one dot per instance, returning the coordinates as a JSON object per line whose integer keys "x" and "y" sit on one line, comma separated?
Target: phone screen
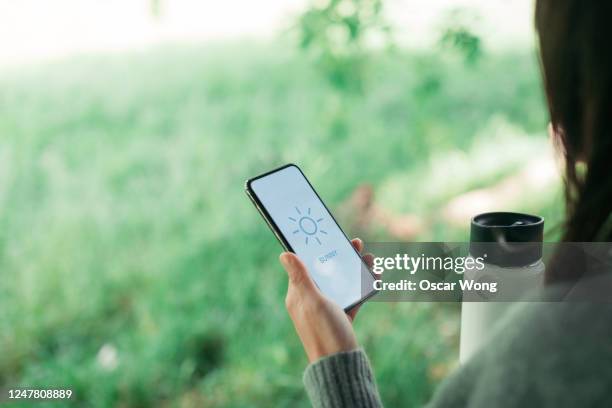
{"x": 311, "y": 232}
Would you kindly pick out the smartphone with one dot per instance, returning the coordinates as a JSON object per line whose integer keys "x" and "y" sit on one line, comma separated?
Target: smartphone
{"x": 304, "y": 225}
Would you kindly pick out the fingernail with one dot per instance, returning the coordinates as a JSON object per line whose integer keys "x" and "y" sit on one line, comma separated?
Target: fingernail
{"x": 286, "y": 259}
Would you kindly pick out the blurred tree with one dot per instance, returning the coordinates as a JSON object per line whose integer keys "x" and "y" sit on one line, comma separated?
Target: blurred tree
{"x": 155, "y": 6}
{"x": 458, "y": 34}
{"x": 339, "y": 34}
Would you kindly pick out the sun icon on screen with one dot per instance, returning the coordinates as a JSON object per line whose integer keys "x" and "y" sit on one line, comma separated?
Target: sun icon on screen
{"x": 307, "y": 225}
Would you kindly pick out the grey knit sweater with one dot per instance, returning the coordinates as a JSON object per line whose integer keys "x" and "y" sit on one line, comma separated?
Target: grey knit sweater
{"x": 542, "y": 355}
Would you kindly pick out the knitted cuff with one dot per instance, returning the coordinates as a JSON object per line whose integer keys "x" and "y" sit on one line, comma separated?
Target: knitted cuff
{"x": 342, "y": 380}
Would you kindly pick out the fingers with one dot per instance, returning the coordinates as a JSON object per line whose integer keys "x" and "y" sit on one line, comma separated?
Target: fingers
{"x": 301, "y": 285}
{"x": 353, "y": 312}
{"x": 368, "y": 259}
{"x": 298, "y": 275}
{"x": 358, "y": 244}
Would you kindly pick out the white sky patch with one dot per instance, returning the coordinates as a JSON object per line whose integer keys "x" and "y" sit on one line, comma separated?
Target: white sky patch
{"x": 33, "y": 30}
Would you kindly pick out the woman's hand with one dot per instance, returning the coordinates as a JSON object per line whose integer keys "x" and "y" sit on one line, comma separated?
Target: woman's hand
{"x": 322, "y": 325}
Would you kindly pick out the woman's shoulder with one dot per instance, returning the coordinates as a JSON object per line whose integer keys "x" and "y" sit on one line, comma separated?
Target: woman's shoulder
{"x": 543, "y": 354}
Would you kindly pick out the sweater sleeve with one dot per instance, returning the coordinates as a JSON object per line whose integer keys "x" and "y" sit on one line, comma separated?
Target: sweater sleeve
{"x": 342, "y": 380}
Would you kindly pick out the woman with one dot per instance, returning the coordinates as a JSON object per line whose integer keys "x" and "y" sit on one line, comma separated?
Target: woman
{"x": 535, "y": 358}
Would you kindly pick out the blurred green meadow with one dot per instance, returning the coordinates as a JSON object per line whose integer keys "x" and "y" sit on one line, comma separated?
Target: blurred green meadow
{"x": 133, "y": 268}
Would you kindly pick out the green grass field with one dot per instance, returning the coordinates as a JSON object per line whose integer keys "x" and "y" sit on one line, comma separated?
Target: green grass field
{"x": 123, "y": 220}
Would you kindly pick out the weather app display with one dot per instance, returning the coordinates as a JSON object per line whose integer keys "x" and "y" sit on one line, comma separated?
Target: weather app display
{"x": 307, "y": 225}
{"x": 312, "y": 233}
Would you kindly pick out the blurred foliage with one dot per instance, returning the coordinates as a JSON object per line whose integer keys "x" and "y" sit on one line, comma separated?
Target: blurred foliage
{"x": 124, "y": 225}
{"x": 155, "y": 8}
{"x": 339, "y": 33}
{"x": 458, "y": 34}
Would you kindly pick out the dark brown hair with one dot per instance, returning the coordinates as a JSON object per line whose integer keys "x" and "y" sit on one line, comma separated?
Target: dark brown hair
{"x": 576, "y": 56}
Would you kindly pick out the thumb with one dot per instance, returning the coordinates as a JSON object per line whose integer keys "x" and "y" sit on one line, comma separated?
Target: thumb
{"x": 298, "y": 275}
